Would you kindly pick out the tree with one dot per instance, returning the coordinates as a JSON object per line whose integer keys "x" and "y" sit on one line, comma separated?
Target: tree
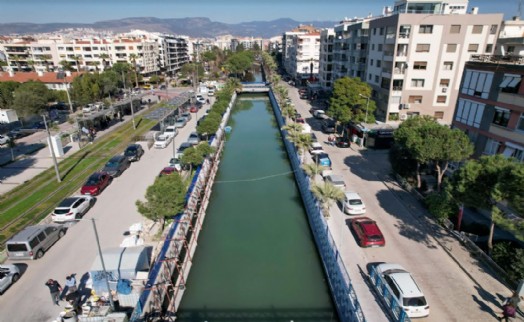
{"x": 31, "y": 64}
{"x": 312, "y": 169}
{"x": 104, "y": 58}
{"x": 347, "y": 104}
{"x": 302, "y": 141}
{"x": 66, "y": 65}
{"x": 485, "y": 182}
{"x": 327, "y": 193}
{"x": 288, "y": 111}
{"x": 78, "y": 59}
{"x": 429, "y": 142}
{"x": 30, "y": 98}
{"x": 7, "y": 90}
{"x": 240, "y": 62}
{"x": 133, "y": 58}
{"x": 195, "y": 156}
{"x": 164, "y": 199}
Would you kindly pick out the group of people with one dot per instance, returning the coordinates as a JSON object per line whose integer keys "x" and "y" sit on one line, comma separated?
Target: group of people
{"x": 69, "y": 292}
{"x": 509, "y": 307}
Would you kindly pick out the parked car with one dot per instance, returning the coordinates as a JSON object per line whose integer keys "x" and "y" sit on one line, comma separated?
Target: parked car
{"x": 342, "y": 142}
{"x": 367, "y": 232}
{"x": 201, "y": 99}
{"x": 316, "y": 148}
{"x": 182, "y": 148}
{"x": 180, "y": 122}
{"x": 319, "y": 114}
{"x": 89, "y": 108}
{"x": 313, "y": 137}
{"x": 175, "y": 163}
{"x": 322, "y": 159}
{"x": 186, "y": 115}
{"x": 403, "y": 287}
{"x": 171, "y": 131}
{"x": 96, "y": 183}
{"x": 353, "y": 204}
{"x": 194, "y": 138}
{"x": 162, "y": 141}
{"x": 9, "y": 274}
{"x": 336, "y": 180}
{"x": 134, "y": 152}
{"x": 193, "y": 109}
{"x": 34, "y": 241}
{"x": 116, "y": 165}
{"x": 167, "y": 171}
{"x": 4, "y": 139}
{"x": 72, "y": 208}
{"x": 210, "y": 92}
{"x": 329, "y": 126}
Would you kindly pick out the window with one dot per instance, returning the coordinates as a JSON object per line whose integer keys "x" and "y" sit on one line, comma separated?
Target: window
{"x": 379, "y": 47}
{"x": 510, "y": 49}
{"x": 382, "y": 31}
{"x": 415, "y": 99}
{"x": 477, "y": 83}
{"x": 369, "y": 77}
{"x": 510, "y": 83}
{"x": 374, "y": 31}
{"x": 422, "y": 48}
{"x": 377, "y": 79}
{"x": 417, "y": 82}
{"x": 448, "y": 65}
{"x": 425, "y": 29}
{"x": 489, "y": 48}
{"x": 469, "y": 112}
{"x": 501, "y": 116}
{"x": 379, "y": 63}
{"x": 454, "y": 29}
{"x": 441, "y": 99}
{"x": 493, "y": 29}
{"x": 372, "y": 46}
{"x": 477, "y": 29}
{"x": 520, "y": 124}
{"x": 371, "y": 62}
{"x": 451, "y": 48}
{"x": 444, "y": 82}
{"x": 492, "y": 147}
{"x": 420, "y": 65}
{"x": 472, "y": 48}
{"x": 439, "y": 115}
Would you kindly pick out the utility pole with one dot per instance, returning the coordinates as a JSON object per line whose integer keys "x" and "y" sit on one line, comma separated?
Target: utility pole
{"x": 103, "y": 266}
{"x": 130, "y": 101}
{"x": 52, "y": 150}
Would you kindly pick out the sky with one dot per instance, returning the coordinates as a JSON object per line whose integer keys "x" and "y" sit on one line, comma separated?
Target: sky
{"x": 227, "y": 11}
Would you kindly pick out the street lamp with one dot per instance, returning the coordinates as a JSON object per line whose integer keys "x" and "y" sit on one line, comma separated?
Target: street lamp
{"x": 367, "y": 105}
{"x": 130, "y": 102}
{"x": 103, "y": 265}
{"x": 52, "y": 150}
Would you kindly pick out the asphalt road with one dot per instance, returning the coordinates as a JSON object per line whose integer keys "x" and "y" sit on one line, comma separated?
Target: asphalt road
{"x": 114, "y": 212}
{"x": 410, "y": 241}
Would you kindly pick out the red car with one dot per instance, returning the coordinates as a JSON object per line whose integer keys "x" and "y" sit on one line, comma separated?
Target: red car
{"x": 167, "y": 171}
{"x": 367, "y": 232}
{"x": 97, "y": 182}
{"x": 193, "y": 109}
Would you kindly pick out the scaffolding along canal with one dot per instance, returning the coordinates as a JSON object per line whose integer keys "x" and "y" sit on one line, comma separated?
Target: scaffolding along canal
{"x": 256, "y": 258}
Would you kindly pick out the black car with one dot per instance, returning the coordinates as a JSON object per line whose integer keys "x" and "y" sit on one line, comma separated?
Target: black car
{"x": 116, "y": 165}
{"x": 328, "y": 126}
{"x": 342, "y": 142}
{"x": 134, "y": 152}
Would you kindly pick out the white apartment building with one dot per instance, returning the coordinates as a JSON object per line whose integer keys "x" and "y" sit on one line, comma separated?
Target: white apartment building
{"x": 511, "y": 38}
{"x": 413, "y": 57}
{"x": 325, "y": 58}
{"x": 148, "y": 51}
{"x": 300, "y": 52}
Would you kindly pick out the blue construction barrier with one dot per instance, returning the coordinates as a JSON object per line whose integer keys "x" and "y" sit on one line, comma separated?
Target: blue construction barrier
{"x": 344, "y": 295}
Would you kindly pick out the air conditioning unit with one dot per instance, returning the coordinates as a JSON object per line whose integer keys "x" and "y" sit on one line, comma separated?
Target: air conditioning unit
{"x": 403, "y": 117}
{"x": 444, "y": 89}
{"x": 406, "y": 106}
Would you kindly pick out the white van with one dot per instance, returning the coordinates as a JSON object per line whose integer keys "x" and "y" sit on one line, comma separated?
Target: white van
{"x": 403, "y": 287}
{"x": 210, "y": 92}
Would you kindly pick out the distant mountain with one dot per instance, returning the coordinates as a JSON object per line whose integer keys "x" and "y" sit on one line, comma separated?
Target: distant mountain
{"x": 193, "y": 27}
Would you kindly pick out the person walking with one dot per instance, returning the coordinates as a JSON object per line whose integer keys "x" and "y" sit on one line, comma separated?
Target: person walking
{"x": 54, "y": 289}
{"x": 508, "y": 311}
{"x": 71, "y": 284}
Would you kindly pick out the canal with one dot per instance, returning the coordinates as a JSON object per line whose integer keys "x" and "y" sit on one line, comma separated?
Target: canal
{"x": 256, "y": 259}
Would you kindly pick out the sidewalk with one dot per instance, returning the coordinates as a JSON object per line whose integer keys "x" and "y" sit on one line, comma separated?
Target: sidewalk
{"x": 28, "y": 164}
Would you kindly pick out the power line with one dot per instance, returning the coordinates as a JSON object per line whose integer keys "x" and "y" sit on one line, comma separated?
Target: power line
{"x": 255, "y": 179}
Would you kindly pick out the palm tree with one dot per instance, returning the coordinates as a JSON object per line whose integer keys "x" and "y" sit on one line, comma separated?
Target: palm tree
{"x": 302, "y": 142}
{"x": 31, "y": 63}
{"x": 287, "y": 111}
{"x": 293, "y": 128}
{"x": 66, "y": 65}
{"x": 78, "y": 59}
{"x": 133, "y": 58}
{"x": 16, "y": 59}
{"x": 104, "y": 61}
{"x": 326, "y": 193}
{"x": 312, "y": 169}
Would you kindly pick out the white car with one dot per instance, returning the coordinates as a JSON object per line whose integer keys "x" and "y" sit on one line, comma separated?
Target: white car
{"x": 171, "y": 131}
{"x": 353, "y": 204}
{"x": 211, "y": 92}
{"x": 162, "y": 141}
{"x": 72, "y": 208}
{"x": 180, "y": 122}
{"x": 316, "y": 148}
{"x": 4, "y": 139}
{"x": 89, "y": 108}
{"x": 336, "y": 180}
{"x": 200, "y": 99}
{"x": 9, "y": 274}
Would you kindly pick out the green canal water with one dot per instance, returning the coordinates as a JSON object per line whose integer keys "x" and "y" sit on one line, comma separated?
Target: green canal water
{"x": 256, "y": 259}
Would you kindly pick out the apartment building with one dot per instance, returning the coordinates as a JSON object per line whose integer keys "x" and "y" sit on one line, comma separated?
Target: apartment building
{"x": 247, "y": 43}
{"x": 490, "y": 106}
{"x": 300, "y": 52}
{"x": 511, "y": 40}
{"x": 148, "y": 51}
{"x": 325, "y": 58}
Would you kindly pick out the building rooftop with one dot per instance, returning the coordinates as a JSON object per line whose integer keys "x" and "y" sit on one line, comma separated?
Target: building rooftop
{"x": 499, "y": 59}
{"x": 22, "y": 77}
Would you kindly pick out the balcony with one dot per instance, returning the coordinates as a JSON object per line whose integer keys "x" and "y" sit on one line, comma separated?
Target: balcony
{"x": 390, "y": 38}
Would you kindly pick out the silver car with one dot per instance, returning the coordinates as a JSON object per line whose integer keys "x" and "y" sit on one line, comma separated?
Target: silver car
{"x": 9, "y": 274}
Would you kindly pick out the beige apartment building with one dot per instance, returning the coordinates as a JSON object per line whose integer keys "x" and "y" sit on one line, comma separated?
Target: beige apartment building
{"x": 413, "y": 56}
